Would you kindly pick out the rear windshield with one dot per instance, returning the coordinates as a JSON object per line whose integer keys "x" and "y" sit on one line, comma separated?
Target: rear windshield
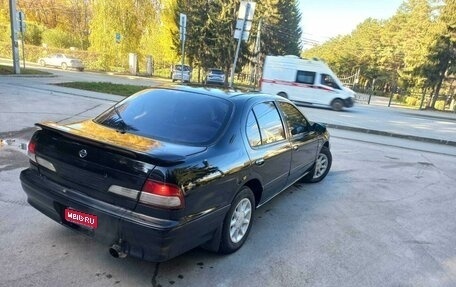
{"x": 217, "y": 72}
{"x": 170, "y": 115}
{"x": 178, "y": 68}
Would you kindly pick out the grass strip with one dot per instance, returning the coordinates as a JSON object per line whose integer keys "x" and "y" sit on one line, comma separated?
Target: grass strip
{"x": 105, "y": 87}
{"x": 8, "y": 70}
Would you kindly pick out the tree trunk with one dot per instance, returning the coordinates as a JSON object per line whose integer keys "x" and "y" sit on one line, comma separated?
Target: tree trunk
{"x": 440, "y": 82}
{"x": 431, "y": 94}
{"x": 437, "y": 88}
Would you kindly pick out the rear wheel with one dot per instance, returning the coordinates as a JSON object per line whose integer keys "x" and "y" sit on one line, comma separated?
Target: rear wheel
{"x": 238, "y": 221}
{"x": 321, "y": 167}
{"x": 337, "y": 105}
{"x": 64, "y": 66}
{"x": 283, "y": 95}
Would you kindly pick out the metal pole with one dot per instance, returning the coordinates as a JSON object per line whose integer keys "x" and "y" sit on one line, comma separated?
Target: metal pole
{"x": 183, "y": 30}
{"x": 16, "y": 64}
{"x": 23, "y": 49}
{"x": 183, "y": 56}
{"x": 247, "y": 8}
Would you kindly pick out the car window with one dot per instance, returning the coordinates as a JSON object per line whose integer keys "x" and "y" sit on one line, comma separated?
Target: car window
{"x": 327, "y": 80}
{"x": 253, "y": 131}
{"x": 170, "y": 115}
{"x": 295, "y": 120}
{"x": 217, "y": 72}
{"x": 270, "y": 124}
{"x": 305, "y": 77}
{"x": 179, "y": 68}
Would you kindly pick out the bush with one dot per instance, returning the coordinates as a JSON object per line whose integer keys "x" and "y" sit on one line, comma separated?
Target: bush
{"x": 5, "y": 32}
{"x": 33, "y": 53}
{"x": 440, "y": 105}
{"x": 59, "y": 39}
{"x": 411, "y": 101}
{"x": 34, "y": 34}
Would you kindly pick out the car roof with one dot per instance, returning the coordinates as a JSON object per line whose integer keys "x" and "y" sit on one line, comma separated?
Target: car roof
{"x": 232, "y": 95}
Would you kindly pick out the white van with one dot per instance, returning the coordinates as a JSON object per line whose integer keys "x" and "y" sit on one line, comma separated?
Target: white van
{"x": 304, "y": 81}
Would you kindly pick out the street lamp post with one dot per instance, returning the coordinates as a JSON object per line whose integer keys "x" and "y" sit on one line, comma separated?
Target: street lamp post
{"x": 14, "y": 43}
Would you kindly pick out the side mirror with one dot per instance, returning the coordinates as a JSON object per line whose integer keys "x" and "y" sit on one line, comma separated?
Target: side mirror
{"x": 320, "y": 128}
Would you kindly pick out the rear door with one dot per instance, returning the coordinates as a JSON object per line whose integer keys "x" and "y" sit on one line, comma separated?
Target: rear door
{"x": 270, "y": 151}
{"x": 303, "y": 88}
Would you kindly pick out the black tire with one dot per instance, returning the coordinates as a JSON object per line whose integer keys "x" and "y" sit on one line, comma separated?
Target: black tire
{"x": 235, "y": 232}
{"x": 321, "y": 167}
{"x": 81, "y": 69}
{"x": 337, "y": 105}
{"x": 64, "y": 66}
{"x": 283, "y": 95}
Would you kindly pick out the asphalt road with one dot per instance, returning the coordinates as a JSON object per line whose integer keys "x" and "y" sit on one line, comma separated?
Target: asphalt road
{"x": 428, "y": 124}
{"x": 382, "y": 217}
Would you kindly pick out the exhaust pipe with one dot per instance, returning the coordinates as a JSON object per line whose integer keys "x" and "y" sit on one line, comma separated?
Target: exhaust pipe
{"x": 116, "y": 251}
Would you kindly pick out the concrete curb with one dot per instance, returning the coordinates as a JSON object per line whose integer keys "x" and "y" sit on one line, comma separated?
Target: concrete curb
{"x": 30, "y": 76}
{"x": 390, "y": 134}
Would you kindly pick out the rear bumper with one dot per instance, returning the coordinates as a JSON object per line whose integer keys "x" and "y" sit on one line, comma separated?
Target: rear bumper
{"x": 178, "y": 76}
{"x": 215, "y": 81}
{"x": 140, "y": 236}
{"x": 76, "y": 66}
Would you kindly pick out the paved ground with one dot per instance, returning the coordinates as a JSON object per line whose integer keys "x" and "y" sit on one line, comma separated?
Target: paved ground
{"x": 382, "y": 217}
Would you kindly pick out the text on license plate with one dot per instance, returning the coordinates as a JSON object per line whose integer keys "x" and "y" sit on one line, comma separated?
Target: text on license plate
{"x": 81, "y": 218}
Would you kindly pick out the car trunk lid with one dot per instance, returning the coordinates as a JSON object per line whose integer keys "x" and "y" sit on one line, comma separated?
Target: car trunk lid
{"x": 103, "y": 163}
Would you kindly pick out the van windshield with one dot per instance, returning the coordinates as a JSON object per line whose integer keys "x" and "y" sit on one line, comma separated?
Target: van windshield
{"x": 327, "y": 80}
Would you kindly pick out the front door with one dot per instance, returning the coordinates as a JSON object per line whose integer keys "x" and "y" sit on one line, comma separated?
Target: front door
{"x": 270, "y": 151}
{"x": 303, "y": 139}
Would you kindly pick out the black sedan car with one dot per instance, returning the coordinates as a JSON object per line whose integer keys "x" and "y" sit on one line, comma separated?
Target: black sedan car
{"x": 172, "y": 168}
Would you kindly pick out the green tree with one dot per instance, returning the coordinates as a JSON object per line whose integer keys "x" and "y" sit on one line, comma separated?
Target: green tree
{"x": 112, "y": 18}
{"x": 282, "y": 32}
{"x": 442, "y": 59}
{"x": 158, "y": 32}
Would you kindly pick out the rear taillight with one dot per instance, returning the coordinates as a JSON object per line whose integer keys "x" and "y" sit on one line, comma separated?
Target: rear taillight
{"x": 31, "y": 150}
{"x": 161, "y": 194}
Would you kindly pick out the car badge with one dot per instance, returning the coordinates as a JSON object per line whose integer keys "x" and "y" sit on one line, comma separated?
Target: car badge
{"x": 82, "y": 153}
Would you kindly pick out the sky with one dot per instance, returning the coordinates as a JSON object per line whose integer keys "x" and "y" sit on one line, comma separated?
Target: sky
{"x": 322, "y": 20}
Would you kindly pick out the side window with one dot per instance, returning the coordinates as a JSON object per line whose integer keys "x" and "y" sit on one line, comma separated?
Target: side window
{"x": 327, "y": 80}
{"x": 305, "y": 77}
{"x": 271, "y": 128}
{"x": 296, "y": 122}
{"x": 252, "y": 130}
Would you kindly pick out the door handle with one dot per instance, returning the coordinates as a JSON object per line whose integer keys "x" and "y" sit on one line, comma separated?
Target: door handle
{"x": 259, "y": 161}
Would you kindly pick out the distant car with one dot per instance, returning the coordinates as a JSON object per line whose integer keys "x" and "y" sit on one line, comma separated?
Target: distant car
{"x": 172, "y": 168}
{"x": 215, "y": 76}
{"x": 177, "y": 74}
{"x": 62, "y": 61}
